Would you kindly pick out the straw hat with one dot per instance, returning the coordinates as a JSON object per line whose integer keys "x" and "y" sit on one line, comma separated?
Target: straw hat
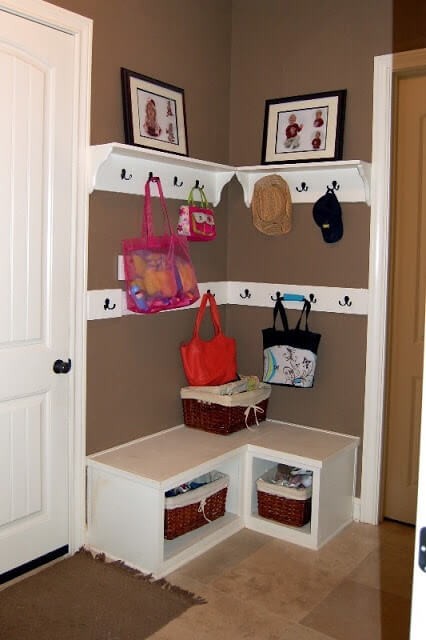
{"x": 271, "y": 205}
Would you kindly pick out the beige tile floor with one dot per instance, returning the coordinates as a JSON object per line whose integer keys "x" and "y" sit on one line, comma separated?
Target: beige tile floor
{"x": 357, "y": 587}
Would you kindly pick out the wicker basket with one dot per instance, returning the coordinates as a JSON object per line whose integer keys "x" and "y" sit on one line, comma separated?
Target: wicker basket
{"x": 224, "y": 414}
{"x": 285, "y": 505}
{"x": 193, "y": 509}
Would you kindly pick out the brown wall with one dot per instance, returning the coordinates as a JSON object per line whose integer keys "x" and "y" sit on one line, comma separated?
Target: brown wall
{"x": 282, "y": 49}
{"x": 133, "y": 366}
{"x": 230, "y": 57}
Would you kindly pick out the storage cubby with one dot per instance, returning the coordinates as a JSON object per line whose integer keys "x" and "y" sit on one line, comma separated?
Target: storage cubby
{"x": 305, "y": 535}
{"x": 127, "y": 484}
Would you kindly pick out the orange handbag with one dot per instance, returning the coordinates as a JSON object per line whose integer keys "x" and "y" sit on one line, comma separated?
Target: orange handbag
{"x": 209, "y": 362}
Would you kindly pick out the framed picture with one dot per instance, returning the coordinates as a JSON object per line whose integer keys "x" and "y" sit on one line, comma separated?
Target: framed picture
{"x": 154, "y": 113}
{"x": 304, "y": 128}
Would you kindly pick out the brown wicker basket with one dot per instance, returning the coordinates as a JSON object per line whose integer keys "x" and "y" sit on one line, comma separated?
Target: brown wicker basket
{"x": 195, "y": 508}
{"x": 216, "y": 418}
{"x": 224, "y": 414}
{"x": 285, "y": 505}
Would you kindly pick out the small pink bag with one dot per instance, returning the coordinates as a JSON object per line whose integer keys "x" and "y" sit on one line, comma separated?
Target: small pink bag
{"x": 158, "y": 269}
{"x": 196, "y": 222}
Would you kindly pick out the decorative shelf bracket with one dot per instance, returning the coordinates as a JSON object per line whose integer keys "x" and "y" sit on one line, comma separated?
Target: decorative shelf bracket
{"x": 309, "y": 181}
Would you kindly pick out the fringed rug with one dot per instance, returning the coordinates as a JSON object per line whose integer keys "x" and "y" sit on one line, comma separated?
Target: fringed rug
{"x": 87, "y": 598}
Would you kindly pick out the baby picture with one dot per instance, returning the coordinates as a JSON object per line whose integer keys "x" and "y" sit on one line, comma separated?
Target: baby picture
{"x": 302, "y": 130}
{"x": 157, "y": 117}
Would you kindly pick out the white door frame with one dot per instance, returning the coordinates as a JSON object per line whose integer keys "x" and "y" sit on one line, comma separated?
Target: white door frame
{"x": 81, "y": 29}
{"x": 384, "y": 68}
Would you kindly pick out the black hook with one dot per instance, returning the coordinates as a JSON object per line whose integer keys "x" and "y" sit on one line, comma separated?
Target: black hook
{"x": 312, "y": 298}
{"x": 197, "y": 185}
{"x": 335, "y": 186}
{"x": 211, "y": 292}
{"x": 346, "y": 302}
{"x": 150, "y": 175}
{"x": 123, "y": 175}
{"x": 278, "y": 297}
{"x": 303, "y": 187}
{"x": 247, "y": 294}
{"x": 176, "y": 183}
{"x": 107, "y": 306}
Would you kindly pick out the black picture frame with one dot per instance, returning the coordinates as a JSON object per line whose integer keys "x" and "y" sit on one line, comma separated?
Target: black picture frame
{"x": 154, "y": 113}
{"x": 305, "y": 128}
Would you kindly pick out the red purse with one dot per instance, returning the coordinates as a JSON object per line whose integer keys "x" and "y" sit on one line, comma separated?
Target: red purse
{"x": 209, "y": 362}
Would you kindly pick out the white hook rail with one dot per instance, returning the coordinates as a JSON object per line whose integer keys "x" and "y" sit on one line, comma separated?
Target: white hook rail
{"x": 344, "y": 300}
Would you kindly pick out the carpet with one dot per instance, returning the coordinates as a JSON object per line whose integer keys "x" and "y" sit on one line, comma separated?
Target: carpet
{"x": 87, "y": 598}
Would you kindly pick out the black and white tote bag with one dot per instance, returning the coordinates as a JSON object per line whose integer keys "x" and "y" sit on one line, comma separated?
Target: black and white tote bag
{"x": 290, "y": 355}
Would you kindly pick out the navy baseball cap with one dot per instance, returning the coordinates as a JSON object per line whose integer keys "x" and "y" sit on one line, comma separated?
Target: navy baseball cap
{"x": 327, "y": 214}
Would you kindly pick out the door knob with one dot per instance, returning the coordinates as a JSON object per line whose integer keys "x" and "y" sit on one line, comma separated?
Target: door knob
{"x": 59, "y": 366}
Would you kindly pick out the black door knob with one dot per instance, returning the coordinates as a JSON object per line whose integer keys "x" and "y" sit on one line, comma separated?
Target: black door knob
{"x": 59, "y": 366}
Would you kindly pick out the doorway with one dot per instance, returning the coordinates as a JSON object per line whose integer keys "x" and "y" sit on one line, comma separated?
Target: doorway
{"x": 385, "y": 68}
{"x": 407, "y": 284}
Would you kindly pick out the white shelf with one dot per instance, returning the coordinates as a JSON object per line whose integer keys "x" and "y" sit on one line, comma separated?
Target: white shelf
{"x": 125, "y": 169}
{"x": 351, "y": 176}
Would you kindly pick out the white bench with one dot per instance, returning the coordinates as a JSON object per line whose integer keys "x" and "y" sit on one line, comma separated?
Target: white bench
{"x": 126, "y": 487}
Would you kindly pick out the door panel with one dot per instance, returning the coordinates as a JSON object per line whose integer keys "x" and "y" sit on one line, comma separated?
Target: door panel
{"x": 36, "y": 129}
{"x": 408, "y": 274}
{"x": 21, "y": 237}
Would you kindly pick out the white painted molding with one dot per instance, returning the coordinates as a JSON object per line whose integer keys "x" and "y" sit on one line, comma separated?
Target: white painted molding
{"x": 308, "y": 181}
{"x": 125, "y": 169}
{"x": 377, "y": 307}
{"x": 329, "y": 299}
{"x": 83, "y": 35}
{"x": 356, "y": 509}
{"x": 253, "y": 294}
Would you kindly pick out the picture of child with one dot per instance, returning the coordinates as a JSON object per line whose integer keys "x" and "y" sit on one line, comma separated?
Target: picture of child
{"x": 151, "y": 126}
{"x": 292, "y": 131}
{"x": 318, "y": 122}
{"x": 170, "y": 133}
{"x": 316, "y": 141}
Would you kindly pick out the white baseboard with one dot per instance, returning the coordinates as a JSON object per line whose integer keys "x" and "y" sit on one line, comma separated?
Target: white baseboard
{"x": 356, "y": 509}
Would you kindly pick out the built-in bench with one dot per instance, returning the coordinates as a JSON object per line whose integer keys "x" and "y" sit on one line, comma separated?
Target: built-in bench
{"x": 126, "y": 487}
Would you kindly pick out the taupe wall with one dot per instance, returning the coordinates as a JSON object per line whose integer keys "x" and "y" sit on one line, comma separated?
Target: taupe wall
{"x": 133, "y": 366}
{"x": 287, "y": 49}
{"x": 230, "y": 57}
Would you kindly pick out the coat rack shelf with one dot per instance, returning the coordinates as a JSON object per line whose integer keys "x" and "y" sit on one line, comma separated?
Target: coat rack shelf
{"x": 125, "y": 169}
{"x": 309, "y": 181}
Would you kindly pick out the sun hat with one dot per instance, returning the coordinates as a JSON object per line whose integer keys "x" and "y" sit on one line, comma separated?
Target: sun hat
{"x": 327, "y": 214}
{"x": 271, "y": 205}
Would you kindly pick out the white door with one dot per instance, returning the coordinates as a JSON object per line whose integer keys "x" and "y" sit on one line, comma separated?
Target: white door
{"x": 418, "y": 623}
{"x": 36, "y": 195}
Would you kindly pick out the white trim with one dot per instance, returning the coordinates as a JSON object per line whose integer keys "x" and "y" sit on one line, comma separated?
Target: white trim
{"x": 81, "y": 29}
{"x": 83, "y": 38}
{"x": 344, "y": 300}
{"x": 377, "y": 305}
{"x": 356, "y": 509}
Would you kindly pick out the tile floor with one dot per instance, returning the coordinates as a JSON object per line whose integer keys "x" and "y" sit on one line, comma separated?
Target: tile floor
{"x": 357, "y": 587}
